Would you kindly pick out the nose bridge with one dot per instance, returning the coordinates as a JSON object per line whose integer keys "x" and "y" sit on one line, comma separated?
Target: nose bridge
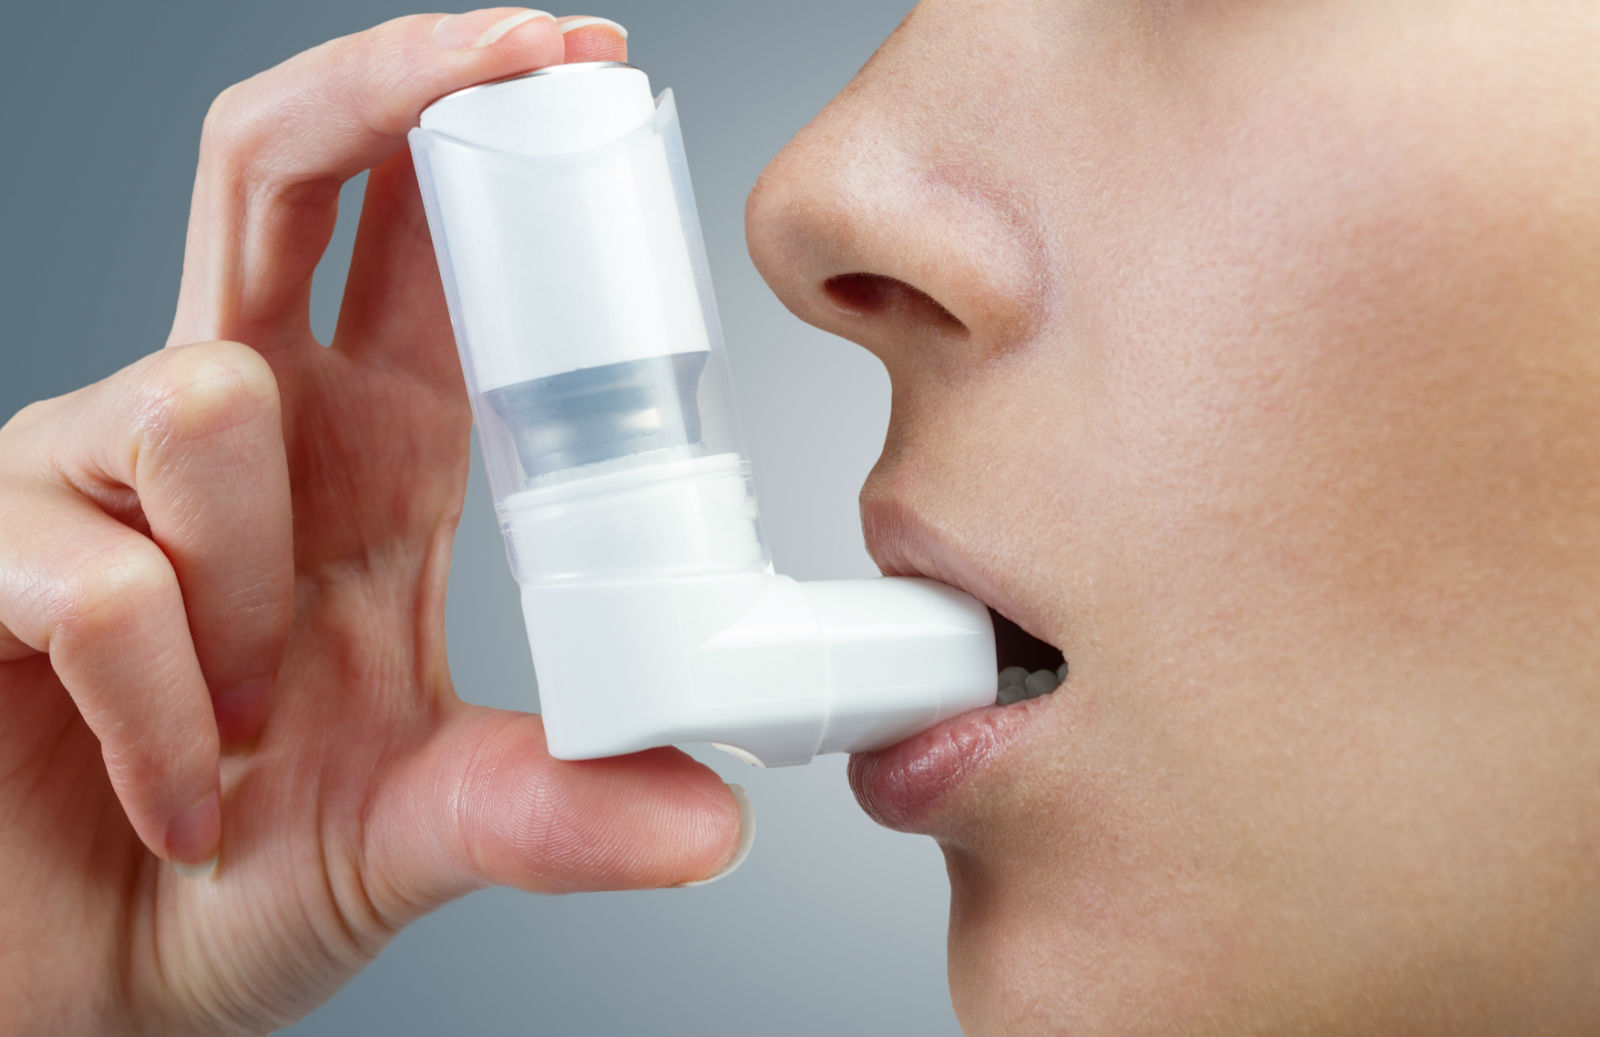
{"x": 889, "y": 219}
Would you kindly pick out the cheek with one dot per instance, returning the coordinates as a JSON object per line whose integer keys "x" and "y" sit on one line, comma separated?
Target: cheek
{"x": 1304, "y": 363}
{"x": 1305, "y": 448}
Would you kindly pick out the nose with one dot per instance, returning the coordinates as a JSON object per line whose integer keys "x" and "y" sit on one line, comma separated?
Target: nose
{"x": 885, "y": 221}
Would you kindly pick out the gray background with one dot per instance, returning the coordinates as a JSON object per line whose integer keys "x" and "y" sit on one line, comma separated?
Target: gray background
{"x": 832, "y": 925}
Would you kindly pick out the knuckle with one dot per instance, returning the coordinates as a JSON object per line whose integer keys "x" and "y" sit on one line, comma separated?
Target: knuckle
{"x": 226, "y": 130}
{"x": 197, "y": 391}
{"x": 389, "y": 67}
{"x": 27, "y": 421}
{"x": 110, "y": 594}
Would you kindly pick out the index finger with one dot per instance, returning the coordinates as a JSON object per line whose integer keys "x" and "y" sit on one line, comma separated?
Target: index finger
{"x": 276, "y": 147}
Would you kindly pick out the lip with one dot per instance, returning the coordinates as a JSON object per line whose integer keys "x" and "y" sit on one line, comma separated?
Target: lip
{"x": 901, "y": 786}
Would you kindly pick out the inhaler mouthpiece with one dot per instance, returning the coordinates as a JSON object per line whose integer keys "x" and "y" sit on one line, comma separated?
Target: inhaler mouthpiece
{"x": 576, "y": 277}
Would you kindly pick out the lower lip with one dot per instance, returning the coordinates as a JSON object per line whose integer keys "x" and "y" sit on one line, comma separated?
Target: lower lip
{"x": 901, "y": 786}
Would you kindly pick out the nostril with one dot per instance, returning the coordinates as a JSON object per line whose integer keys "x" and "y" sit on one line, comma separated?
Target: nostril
{"x": 860, "y": 293}
{"x": 874, "y": 295}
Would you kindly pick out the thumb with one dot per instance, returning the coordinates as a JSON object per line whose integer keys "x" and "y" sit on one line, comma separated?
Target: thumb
{"x": 483, "y": 803}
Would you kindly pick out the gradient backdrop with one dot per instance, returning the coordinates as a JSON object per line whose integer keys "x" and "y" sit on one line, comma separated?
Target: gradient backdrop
{"x": 833, "y": 925}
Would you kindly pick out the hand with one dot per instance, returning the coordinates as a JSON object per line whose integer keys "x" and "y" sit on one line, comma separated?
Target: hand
{"x": 237, "y": 552}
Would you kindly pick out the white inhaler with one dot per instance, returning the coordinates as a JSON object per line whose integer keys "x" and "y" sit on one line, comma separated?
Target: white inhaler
{"x": 572, "y": 261}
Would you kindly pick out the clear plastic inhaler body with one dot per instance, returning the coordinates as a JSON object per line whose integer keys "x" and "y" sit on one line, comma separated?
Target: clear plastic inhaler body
{"x": 570, "y": 250}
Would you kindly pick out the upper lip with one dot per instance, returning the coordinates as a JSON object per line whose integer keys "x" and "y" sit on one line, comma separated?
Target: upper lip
{"x": 903, "y": 543}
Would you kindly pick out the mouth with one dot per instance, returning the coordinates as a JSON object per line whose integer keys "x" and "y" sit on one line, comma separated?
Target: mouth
{"x": 901, "y": 786}
{"x": 1029, "y": 668}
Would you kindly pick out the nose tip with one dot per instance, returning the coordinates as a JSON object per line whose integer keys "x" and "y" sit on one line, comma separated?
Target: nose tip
{"x": 866, "y": 229}
{"x": 787, "y": 236}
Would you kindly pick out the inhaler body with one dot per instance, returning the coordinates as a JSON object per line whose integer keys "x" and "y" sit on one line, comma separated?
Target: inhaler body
{"x": 575, "y": 273}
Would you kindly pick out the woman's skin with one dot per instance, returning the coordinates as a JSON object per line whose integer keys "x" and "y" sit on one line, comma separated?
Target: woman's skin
{"x": 238, "y": 542}
{"x": 1247, "y": 351}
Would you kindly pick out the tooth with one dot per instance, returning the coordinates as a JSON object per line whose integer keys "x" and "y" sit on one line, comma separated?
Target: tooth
{"x": 1061, "y": 672}
{"x": 1010, "y": 694}
{"x": 1013, "y": 675}
{"x": 1040, "y": 682}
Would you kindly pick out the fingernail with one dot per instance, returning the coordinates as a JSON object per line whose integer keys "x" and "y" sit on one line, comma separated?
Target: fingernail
{"x": 481, "y": 28}
{"x": 197, "y": 871}
{"x": 747, "y": 836}
{"x": 192, "y": 839}
{"x": 588, "y": 20}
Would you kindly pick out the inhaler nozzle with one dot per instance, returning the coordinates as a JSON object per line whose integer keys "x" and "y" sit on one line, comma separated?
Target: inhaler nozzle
{"x": 573, "y": 266}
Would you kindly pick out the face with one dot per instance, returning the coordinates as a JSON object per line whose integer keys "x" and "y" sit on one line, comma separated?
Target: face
{"x": 1249, "y": 353}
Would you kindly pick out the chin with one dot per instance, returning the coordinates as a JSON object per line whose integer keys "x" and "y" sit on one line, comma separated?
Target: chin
{"x": 1018, "y": 967}
{"x": 1065, "y": 919}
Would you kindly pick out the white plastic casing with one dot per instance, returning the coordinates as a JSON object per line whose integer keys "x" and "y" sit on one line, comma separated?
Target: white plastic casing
{"x": 598, "y": 232}
{"x": 575, "y": 273}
